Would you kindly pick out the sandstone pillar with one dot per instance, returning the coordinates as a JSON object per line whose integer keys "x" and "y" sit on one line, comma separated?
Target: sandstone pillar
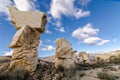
{"x": 64, "y": 54}
{"x": 29, "y": 26}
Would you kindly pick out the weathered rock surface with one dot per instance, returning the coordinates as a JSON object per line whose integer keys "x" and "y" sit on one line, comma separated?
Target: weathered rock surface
{"x": 29, "y": 25}
{"x": 84, "y": 57}
{"x": 20, "y": 19}
{"x": 24, "y": 37}
{"x": 64, "y": 54}
{"x": 25, "y": 57}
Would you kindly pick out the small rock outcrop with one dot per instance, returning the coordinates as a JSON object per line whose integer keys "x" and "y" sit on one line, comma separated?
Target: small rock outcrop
{"x": 84, "y": 57}
{"x": 29, "y": 25}
{"x": 64, "y": 54}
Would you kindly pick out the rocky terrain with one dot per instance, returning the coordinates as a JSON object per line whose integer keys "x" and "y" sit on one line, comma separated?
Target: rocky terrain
{"x": 47, "y": 71}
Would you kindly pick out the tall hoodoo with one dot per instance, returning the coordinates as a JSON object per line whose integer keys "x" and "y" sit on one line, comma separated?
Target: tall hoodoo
{"x": 29, "y": 26}
{"x": 64, "y": 54}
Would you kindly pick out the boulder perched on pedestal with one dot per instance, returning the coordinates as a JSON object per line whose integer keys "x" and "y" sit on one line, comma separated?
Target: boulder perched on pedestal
{"x": 64, "y": 54}
{"x": 26, "y": 40}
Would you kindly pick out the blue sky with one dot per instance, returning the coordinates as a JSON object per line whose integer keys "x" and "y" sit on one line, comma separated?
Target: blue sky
{"x": 89, "y": 25}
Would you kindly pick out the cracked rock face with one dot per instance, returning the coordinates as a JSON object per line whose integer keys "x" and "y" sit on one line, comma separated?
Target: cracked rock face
{"x": 64, "y": 54}
{"x": 26, "y": 40}
{"x": 25, "y": 36}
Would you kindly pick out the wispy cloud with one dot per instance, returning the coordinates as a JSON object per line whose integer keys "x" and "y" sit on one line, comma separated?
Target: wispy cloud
{"x": 47, "y": 48}
{"x": 84, "y": 3}
{"x": 43, "y": 47}
{"x": 23, "y": 5}
{"x": 3, "y": 7}
{"x": 8, "y": 53}
{"x": 87, "y": 34}
{"x": 48, "y": 31}
{"x": 67, "y": 8}
{"x": 103, "y": 42}
{"x": 59, "y": 8}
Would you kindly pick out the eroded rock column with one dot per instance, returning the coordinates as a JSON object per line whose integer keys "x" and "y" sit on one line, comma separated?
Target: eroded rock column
{"x": 29, "y": 25}
{"x": 64, "y": 54}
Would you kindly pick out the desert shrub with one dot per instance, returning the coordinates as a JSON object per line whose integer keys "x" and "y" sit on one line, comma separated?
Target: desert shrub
{"x": 99, "y": 64}
{"x": 80, "y": 73}
{"x": 106, "y": 76}
{"x": 85, "y": 66}
{"x": 110, "y": 68}
{"x": 16, "y": 74}
{"x": 60, "y": 68}
{"x": 115, "y": 59}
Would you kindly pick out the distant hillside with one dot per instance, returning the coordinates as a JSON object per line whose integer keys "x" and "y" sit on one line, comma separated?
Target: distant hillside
{"x": 49, "y": 58}
{"x": 5, "y": 59}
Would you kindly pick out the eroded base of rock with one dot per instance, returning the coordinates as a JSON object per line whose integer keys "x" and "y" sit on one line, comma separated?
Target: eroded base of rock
{"x": 24, "y": 57}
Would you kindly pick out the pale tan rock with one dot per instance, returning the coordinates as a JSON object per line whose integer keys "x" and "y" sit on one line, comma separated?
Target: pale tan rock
{"x": 64, "y": 54}
{"x": 84, "y": 57}
{"x": 24, "y": 57}
{"x": 26, "y": 40}
{"x": 65, "y": 63}
{"x": 25, "y": 36}
{"x": 63, "y": 48}
{"x": 20, "y": 19}
{"x": 25, "y": 53}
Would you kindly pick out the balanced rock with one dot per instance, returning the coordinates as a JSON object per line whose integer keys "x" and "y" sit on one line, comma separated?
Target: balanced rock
{"x": 20, "y": 19}
{"x": 64, "y": 54}
{"x": 26, "y": 40}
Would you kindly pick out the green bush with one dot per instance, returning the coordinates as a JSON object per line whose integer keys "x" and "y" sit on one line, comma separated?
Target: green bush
{"x": 106, "y": 76}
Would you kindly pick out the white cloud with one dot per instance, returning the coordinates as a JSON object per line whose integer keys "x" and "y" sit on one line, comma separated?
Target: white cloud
{"x": 87, "y": 34}
{"x": 25, "y": 5}
{"x": 84, "y": 2}
{"x": 91, "y": 40}
{"x": 44, "y": 47}
{"x": 59, "y": 8}
{"x": 67, "y": 8}
{"x": 48, "y": 32}
{"x": 61, "y": 29}
{"x": 3, "y": 7}
{"x": 59, "y": 26}
{"x": 80, "y": 13}
{"x": 47, "y": 48}
{"x": 103, "y": 42}
{"x": 8, "y": 53}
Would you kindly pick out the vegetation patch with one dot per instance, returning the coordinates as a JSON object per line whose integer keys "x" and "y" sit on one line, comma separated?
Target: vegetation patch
{"x": 106, "y": 76}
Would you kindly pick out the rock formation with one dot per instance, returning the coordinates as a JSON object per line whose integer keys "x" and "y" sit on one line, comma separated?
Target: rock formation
{"x": 84, "y": 57}
{"x": 64, "y": 54}
{"x": 29, "y": 25}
